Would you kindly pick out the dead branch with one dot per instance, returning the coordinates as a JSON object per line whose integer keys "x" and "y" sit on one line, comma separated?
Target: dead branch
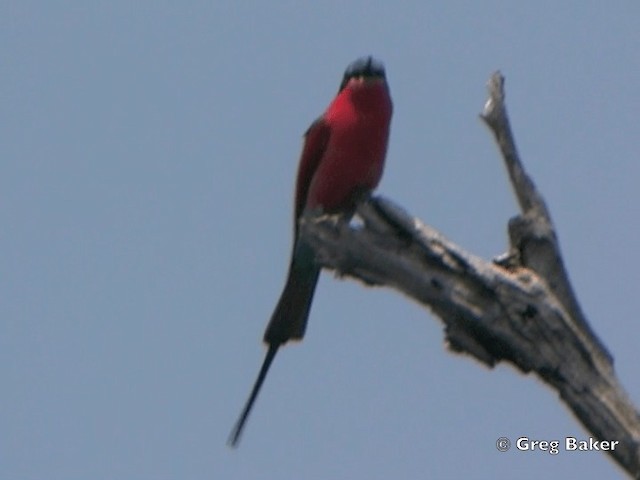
{"x": 520, "y": 308}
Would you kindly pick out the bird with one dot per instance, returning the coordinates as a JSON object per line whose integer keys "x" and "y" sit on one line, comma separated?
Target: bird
{"x": 342, "y": 160}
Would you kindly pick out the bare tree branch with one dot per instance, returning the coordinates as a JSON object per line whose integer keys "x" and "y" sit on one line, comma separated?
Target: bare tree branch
{"x": 532, "y": 234}
{"x": 520, "y": 308}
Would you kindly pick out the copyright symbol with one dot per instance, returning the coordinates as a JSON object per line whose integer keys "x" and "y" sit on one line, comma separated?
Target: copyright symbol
{"x": 503, "y": 444}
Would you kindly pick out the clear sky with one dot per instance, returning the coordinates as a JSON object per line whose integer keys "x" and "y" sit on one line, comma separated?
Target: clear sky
{"x": 147, "y": 162}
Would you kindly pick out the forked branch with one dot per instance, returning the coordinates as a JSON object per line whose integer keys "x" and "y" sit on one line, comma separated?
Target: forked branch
{"x": 520, "y": 308}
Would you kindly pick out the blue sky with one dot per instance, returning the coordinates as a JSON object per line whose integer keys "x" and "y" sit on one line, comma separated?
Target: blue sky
{"x": 147, "y": 165}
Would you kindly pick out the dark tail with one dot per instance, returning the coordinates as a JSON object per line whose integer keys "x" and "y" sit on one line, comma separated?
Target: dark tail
{"x": 289, "y": 319}
{"x": 234, "y": 436}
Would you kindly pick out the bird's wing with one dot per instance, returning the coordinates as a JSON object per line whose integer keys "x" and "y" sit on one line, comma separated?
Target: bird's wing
{"x": 316, "y": 139}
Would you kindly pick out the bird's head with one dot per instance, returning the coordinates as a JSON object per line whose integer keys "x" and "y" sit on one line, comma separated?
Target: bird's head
{"x": 363, "y": 71}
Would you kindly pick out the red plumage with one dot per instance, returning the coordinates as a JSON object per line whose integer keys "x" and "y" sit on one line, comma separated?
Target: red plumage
{"x": 352, "y": 159}
{"x": 342, "y": 158}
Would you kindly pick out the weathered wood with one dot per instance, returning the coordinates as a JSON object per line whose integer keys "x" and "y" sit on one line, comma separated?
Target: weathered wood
{"x": 519, "y": 309}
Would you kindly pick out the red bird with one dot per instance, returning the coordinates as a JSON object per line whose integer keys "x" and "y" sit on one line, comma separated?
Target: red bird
{"x": 342, "y": 158}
